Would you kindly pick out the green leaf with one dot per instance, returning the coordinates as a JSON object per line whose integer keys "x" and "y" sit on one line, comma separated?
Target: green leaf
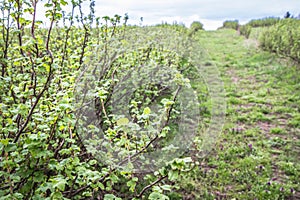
{"x": 167, "y": 102}
{"x": 111, "y": 197}
{"x": 56, "y": 195}
{"x": 166, "y": 187}
{"x": 48, "y": 5}
{"x": 10, "y": 147}
{"x": 38, "y": 177}
{"x": 60, "y": 184}
{"x": 147, "y": 111}
{"x": 114, "y": 178}
{"x": 93, "y": 162}
{"x": 157, "y": 196}
{"x": 101, "y": 186}
{"x": 173, "y": 175}
{"x": 4, "y": 141}
{"x": 132, "y": 183}
{"x": 164, "y": 131}
{"x": 122, "y": 121}
{"x": 63, "y": 2}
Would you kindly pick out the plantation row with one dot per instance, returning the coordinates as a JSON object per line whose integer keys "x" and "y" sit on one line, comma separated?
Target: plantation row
{"x": 281, "y": 36}
{"x": 94, "y": 112}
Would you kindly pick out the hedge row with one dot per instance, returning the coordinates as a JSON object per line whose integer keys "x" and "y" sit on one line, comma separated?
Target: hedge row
{"x": 268, "y": 21}
{"x": 245, "y": 30}
{"x": 233, "y": 24}
{"x": 283, "y": 38}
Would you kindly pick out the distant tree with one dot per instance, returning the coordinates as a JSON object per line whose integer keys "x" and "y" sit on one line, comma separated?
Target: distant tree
{"x": 195, "y": 27}
{"x": 245, "y": 30}
{"x": 233, "y": 24}
{"x": 287, "y": 15}
{"x": 141, "y": 21}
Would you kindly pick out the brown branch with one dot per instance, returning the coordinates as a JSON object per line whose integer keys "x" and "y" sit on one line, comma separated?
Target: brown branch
{"x": 73, "y": 184}
{"x": 103, "y": 108}
{"x": 72, "y": 193}
{"x": 6, "y": 39}
{"x": 33, "y": 80}
{"x": 20, "y": 28}
{"x": 59, "y": 148}
{"x": 64, "y": 53}
{"x": 85, "y": 40}
{"x": 49, "y": 77}
{"x": 34, "y": 2}
{"x": 149, "y": 186}
{"x": 32, "y": 108}
{"x": 49, "y": 34}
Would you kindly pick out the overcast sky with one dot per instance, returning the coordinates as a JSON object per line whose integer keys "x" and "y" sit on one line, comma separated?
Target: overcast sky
{"x": 210, "y": 12}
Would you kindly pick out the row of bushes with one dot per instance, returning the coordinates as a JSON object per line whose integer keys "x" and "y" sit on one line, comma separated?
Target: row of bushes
{"x": 283, "y": 38}
{"x": 75, "y": 117}
{"x": 232, "y": 24}
{"x": 267, "y": 21}
{"x": 194, "y": 27}
{"x": 244, "y": 30}
{"x": 282, "y": 35}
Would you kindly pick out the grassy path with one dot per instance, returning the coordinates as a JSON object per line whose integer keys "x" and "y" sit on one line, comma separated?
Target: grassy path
{"x": 258, "y": 153}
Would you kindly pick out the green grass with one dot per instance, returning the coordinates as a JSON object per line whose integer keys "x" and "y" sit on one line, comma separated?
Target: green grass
{"x": 257, "y": 154}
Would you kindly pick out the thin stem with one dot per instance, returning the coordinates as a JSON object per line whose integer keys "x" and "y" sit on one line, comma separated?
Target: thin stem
{"x": 149, "y": 186}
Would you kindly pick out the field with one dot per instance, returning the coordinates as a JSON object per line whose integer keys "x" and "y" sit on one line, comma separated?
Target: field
{"x": 97, "y": 109}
